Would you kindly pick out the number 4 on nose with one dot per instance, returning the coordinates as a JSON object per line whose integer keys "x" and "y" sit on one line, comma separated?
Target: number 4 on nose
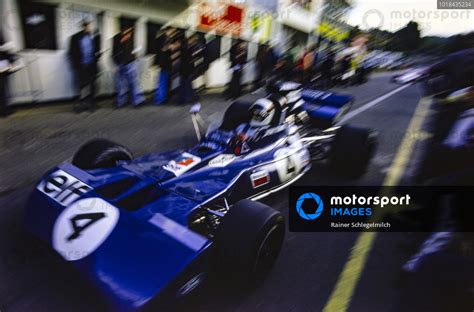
{"x": 77, "y": 228}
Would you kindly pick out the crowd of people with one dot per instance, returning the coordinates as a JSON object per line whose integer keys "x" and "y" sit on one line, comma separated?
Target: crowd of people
{"x": 187, "y": 58}
{"x": 176, "y": 55}
{"x": 310, "y": 66}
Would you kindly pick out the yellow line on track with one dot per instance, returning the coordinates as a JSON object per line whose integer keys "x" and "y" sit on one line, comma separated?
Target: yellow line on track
{"x": 341, "y": 296}
{"x": 42, "y": 111}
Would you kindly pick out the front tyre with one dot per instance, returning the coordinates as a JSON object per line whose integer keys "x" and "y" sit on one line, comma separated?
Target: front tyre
{"x": 248, "y": 242}
{"x": 352, "y": 150}
{"x": 100, "y": 153}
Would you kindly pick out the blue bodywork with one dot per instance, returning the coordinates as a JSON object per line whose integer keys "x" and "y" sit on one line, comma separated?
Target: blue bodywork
{"x": 325, "y": 107}
{"x": 151, "y": 251}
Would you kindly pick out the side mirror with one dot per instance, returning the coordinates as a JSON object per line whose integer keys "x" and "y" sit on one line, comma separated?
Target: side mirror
{"x": 195, "y": 109}
{"x": 197, "y": 120}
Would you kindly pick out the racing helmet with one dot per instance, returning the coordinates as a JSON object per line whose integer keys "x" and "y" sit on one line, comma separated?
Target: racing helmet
{"x": 263, "y": 111}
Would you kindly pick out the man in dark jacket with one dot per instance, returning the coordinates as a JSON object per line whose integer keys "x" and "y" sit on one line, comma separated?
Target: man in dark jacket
{"x": 266, "y": 62}
{"x": 84, "y": 53}
{"x": 187, "y": 69}
{"x": 127, "y": 79}
{"x": 283, "y": 69}
{"x": 238, "y": 59}
{"x": 6, "y": 60}
{"x": 200, "y": 55}
{"x": 327, "y": 71}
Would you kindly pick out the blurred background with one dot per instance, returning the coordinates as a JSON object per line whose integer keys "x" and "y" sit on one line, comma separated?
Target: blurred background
{"x": 67, "y": 66}
{"x": 40, "y": 32}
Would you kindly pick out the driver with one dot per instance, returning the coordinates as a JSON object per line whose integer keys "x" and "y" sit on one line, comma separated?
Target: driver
{"x": 262, "y": 115}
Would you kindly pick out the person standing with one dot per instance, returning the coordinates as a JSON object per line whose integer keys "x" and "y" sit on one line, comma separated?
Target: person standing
{"x": 327, "y": 71}
{"x": 266, "y": 62}
{"x": 127, "y": 79}
{"x": 6, "y": 60}
{"x": 200, "y": 57}
{"x": 238, "y": 59}
{"x": 186, "y": 91}
{"x": 283, "y": 68}
{"x": 307, "y": 64}
{"x": 163, "y": 60}
{"x": 84, "y": 53}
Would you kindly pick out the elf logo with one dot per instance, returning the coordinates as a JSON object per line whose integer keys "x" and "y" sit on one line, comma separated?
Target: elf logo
{"x": 63, "y": 187}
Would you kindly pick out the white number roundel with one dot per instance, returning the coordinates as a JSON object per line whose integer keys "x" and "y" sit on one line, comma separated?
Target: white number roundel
{"x": 82, "y": 227}
{"x": 292, "y": 160}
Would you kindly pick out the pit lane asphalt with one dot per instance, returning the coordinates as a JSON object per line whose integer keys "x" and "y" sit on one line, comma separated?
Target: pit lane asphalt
{"x": 35, "y": 139}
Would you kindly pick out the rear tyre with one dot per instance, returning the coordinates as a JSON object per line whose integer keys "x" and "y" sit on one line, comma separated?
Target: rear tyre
{"x": 100, "y": 153}
{"x": 352, "y": 151}
{"x": 248, "y": 242}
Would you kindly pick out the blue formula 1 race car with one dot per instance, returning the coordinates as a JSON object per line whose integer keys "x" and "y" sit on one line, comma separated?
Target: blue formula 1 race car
{"x": 149, "y": 230}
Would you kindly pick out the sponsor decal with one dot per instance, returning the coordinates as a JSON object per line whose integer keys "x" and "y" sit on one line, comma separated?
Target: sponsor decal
{"x": 260, "y": 178}
{"x": 222, "y": 160}
{"x": 63, "y": 187}
{"x": 242, "y": 148}
{"x": 82, "y": 227}
{"x": 224, "y": 18}
{"x": 184, "y": 163}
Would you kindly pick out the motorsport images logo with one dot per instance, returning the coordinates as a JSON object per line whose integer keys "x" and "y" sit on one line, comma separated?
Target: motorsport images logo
{"x": 343, "y": 208}
{"x": 312, "y": 200}
{"x": 347, "y": 208}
